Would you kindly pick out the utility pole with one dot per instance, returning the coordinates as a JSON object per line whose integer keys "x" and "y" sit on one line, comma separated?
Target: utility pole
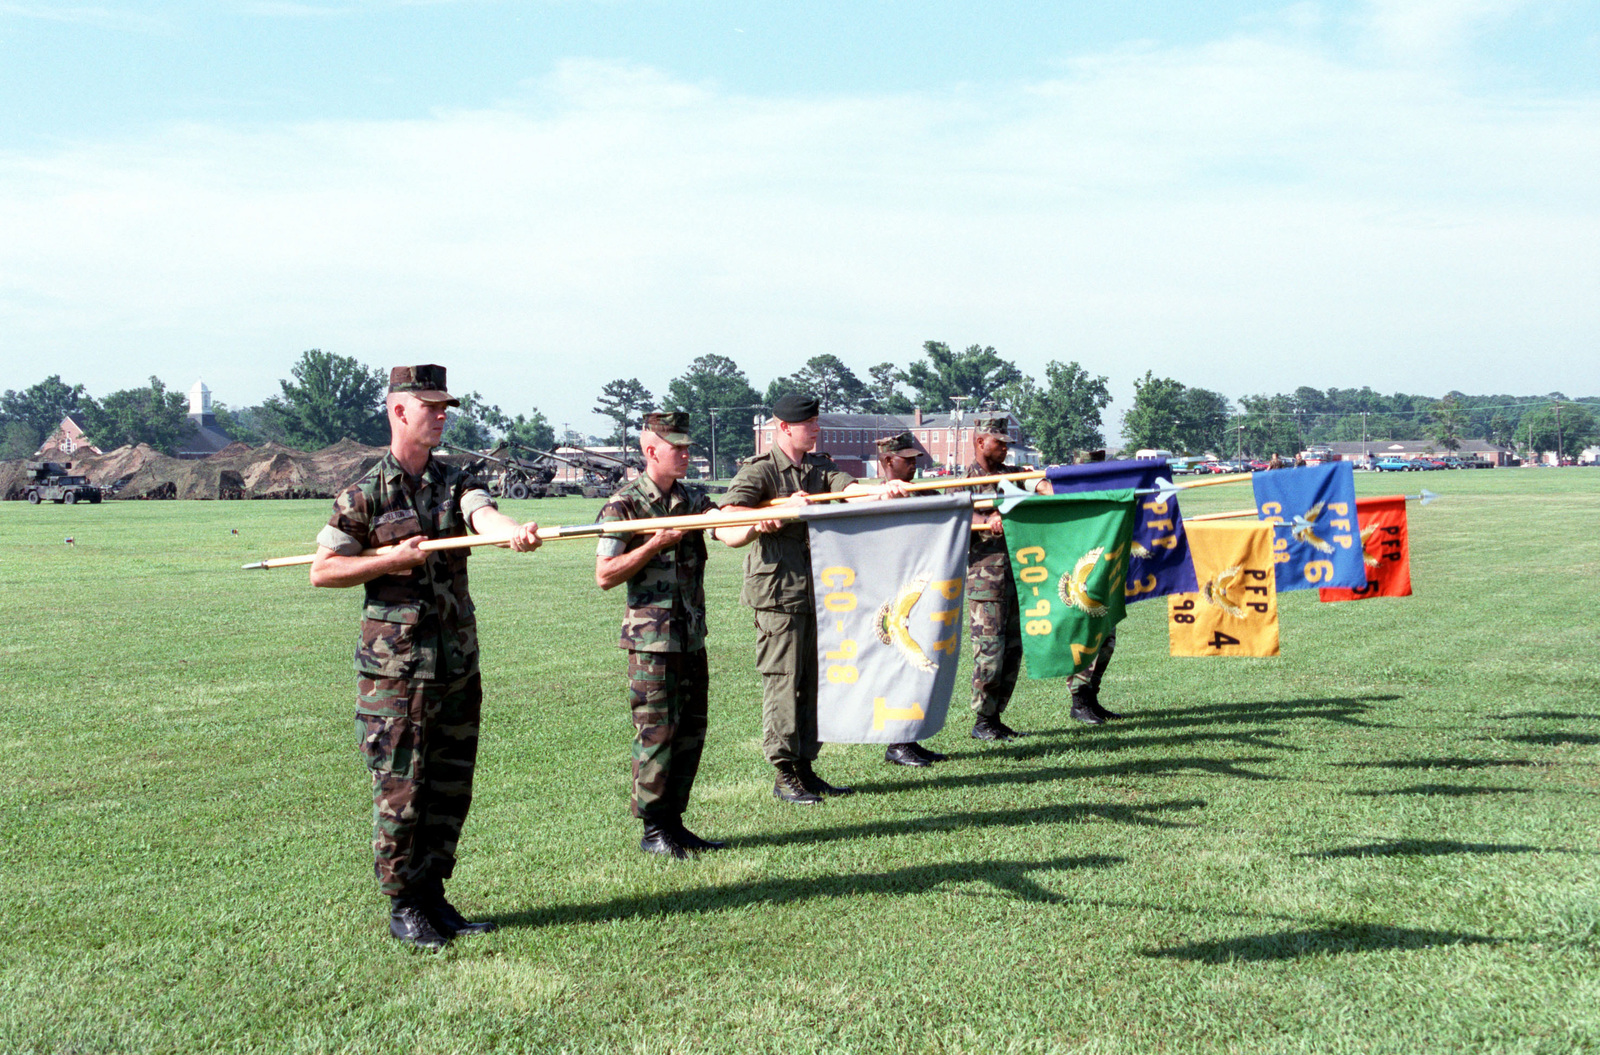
{"x": 1559, "y": 458}
{"x": 954, "y": 454}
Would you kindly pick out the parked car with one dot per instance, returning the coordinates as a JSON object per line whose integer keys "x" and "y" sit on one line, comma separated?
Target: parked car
{"x": 1393, "y": 465}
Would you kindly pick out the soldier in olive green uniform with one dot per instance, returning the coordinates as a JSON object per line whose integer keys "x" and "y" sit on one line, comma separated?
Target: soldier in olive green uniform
{"x": 897, "y": 460}
{"x": 418, "y": 688}
{"x": 664, "y": 632}
{"x": 992, "y": 593}
{"x": 777, "y": 585}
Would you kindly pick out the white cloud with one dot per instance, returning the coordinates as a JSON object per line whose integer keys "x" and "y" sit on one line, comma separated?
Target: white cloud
{"x": 1249, "y": 216}
{"x": 1430, "y": 29}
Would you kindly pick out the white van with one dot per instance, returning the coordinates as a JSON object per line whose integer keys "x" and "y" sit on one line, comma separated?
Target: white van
{"x": 1147, "y": 453}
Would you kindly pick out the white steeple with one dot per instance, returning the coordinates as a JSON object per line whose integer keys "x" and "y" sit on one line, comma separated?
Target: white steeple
{"x": 199, "y": 399}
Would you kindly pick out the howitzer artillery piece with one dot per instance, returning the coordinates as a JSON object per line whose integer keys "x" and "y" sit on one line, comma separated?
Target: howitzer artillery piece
{"x": 53, "y": 482}
{"x": 515, "y": 476}
{"x": 511, "y": 477}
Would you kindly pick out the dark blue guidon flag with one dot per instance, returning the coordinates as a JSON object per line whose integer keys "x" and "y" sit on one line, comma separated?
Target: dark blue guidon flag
{"x": 1316, "y": 537}
{"x": 1160, "y": 562}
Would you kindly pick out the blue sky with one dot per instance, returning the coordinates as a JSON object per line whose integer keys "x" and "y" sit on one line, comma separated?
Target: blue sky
{"x": 546, "y": 196}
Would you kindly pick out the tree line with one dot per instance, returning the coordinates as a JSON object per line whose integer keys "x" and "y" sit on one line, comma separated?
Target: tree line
{"x": 330, "y": 397}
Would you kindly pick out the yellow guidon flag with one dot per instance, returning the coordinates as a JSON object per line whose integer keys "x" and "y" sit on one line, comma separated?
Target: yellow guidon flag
{"x": 1235, "y": 611}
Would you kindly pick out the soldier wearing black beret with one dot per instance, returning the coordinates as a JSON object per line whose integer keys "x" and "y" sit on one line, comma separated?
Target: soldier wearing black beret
{"x": 777, "y": 585}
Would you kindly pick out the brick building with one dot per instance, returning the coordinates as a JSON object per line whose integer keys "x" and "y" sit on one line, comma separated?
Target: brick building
{"x": 851, "y": 439}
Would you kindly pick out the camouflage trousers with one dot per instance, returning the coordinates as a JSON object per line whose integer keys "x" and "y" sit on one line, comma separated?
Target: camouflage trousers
{"x": 786, "y": 656}
{"x": 996, "y": 653}
{"x": 420, "y": 740}
{"x": 667, "y": 691}
{"x": 1089, "y": 677}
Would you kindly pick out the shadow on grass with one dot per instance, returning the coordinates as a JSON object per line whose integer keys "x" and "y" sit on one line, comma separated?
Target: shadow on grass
{"x": 1102, "y": 739}
{"x": 1423, "y": 848}
{"x": 1555, "y": 716}
{"x": 1346, "y": 710}
{"x": 1552, "y": 739}
{"x": 1147, "y": 816}
{"x": 1445, "y": 763}
{"x": 1293, "y": 944}
{"x": 943, "y": 776}
{"x": 1461, "y": 790}
{"x": 1008, "y": 877}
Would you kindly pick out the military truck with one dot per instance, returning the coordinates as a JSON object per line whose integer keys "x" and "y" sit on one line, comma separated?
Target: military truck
{"x": 53, "y": 482}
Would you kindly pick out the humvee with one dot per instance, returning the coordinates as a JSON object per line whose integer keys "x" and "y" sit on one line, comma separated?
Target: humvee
{"x": 51, "y": 482}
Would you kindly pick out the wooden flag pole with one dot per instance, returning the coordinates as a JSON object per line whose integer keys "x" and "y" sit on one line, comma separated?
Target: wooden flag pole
{"x": 863, "y": 491}
{"x": 697, "y": 522}
{"x": 1425, "y": 498}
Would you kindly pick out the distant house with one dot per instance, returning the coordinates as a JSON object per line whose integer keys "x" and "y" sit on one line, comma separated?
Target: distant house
{"x": 68, "y": 439}
{"x": 206, "y": 439}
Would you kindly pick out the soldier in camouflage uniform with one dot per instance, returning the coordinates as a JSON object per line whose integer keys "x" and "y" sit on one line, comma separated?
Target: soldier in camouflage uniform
{"x": 664, "y": 632}
{"x": 897, "y": 460}
{"x": 418, "y": 686}
{"x": 992, "y": 592}
{"x": 777, "y": 585}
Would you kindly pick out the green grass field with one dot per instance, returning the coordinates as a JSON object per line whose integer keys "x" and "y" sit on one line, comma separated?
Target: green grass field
{"x": 1387, "y": 839}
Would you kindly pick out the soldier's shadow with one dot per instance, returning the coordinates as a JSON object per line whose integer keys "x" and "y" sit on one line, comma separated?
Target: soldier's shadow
{"x": 1314, "y": 941}
{"x": 946, "y": 775}
{"x": 1165, "y": 727}
{"x": 1124, "y": 738}
{"x": 1151, "y": 815}
{"x": 1012, "y": 878}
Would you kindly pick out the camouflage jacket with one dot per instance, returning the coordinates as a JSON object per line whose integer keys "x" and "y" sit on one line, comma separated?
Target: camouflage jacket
{"x": 667, "y": 597}
{"x": 988, "y": 562}
{"x": 777, "y": 570}
{"x": 418, "y": 623}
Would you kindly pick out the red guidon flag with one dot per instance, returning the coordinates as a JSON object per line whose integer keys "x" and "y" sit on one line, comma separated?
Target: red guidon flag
{"x": 1386, "y": 549}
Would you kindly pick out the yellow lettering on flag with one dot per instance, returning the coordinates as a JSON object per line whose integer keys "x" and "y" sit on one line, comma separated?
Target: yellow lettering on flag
{"x": 1236, "y": 611}
{"x": 882, "y": 712}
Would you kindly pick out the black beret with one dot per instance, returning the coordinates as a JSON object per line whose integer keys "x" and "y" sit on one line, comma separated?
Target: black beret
{"x": 795, "y": 407}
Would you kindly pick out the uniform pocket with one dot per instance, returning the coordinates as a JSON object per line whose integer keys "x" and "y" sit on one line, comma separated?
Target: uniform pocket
{"x": 388, "y": 647}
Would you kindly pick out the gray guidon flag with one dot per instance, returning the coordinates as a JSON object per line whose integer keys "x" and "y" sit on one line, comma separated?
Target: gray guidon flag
{"x": 888, "y": 580}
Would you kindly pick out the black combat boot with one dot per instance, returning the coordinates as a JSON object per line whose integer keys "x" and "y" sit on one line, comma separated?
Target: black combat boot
{"x": 446, "y": 919}
{"x": 1105, "y": 713}
{"x": 990, "y": 727}
{"x": 661, "y": 838}
{"x": 905, "y": 755}
{"x": 815, "y": 784}
{"x": 1084, "y": 709}
{"x": 931, "y": 756}
{"x": 410, "y": 923}
{"x": 692, "y": 842}
{"x": 790, "y": 788}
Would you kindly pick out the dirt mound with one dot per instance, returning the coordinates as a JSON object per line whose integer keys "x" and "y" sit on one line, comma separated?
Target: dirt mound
{"x": 237, "y": 471}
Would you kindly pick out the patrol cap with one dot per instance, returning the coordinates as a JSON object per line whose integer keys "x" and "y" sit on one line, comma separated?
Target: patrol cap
{"x": 993, "y": 427}
{"x": 425, "y": 382}
{"x": 1086, "y": 457}
{"x": 672, "y": 426}
{"x": 902, "y": 444}
{"x": 795, "y": 407}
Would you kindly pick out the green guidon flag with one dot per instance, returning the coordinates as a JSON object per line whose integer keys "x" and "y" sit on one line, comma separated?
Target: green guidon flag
{"x": 1069, "y": 554}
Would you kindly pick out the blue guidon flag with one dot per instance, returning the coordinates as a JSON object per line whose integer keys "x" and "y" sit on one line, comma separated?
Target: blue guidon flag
{"x": 889, "y": 581}
{"x": 1159, "y": 562}
{"x": 1316, "y": 535}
